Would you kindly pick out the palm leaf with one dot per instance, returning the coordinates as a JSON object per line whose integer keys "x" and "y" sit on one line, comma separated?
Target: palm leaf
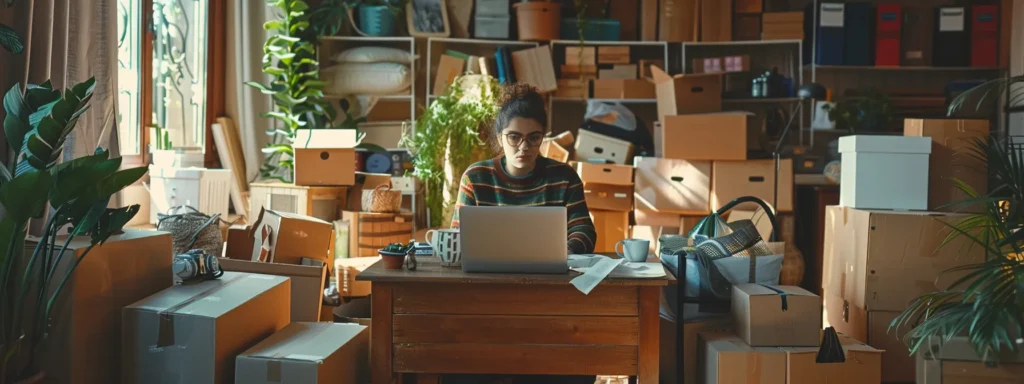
{"x": 10, "y": 40}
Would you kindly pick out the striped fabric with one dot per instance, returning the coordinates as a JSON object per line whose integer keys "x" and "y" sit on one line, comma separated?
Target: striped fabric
{"x": 551, "y": 184}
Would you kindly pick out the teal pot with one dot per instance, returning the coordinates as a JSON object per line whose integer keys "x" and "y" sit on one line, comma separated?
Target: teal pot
{"x": 376, "y": 20}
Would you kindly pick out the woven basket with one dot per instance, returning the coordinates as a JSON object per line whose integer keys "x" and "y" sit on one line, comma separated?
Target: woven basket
{"x": 382, "y": 200}
{"x": 192, "y": 230}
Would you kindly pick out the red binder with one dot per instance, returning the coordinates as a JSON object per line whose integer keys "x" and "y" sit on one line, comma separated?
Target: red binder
{"x": 984, "y": 35}
{"x": 887, "y": 36}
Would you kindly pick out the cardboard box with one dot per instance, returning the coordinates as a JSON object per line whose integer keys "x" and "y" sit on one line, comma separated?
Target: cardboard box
{"x": 716, "y": 20}
{"x": 953, "y": 146}
{"x": 668, "y": 340}
{"x": 574, "y": 88}
{"x": 357, "y": 311}
{"x": 324, "y": 353}
{"x": 776, "y": 316}
{"x": 575, "y": 55}
{"x": 286, "y": 238}
{"x": 366, "y": 232}
{"x": 320, "y": 202}
{"x": 448, "y": 68}
{"x": 347, "y": 270}
{"x": 384, "y": 134}
{"x": 577, "y": 71}
{"x": 307, "y": 284}
{"x": 612, "y": 54}
{"x": 202, "y": 326}
{"x": 863, "y": 365}
{"x": 238, "y": 244}
{"x": 550, "y": 149}
{"x": 623, "y": 89}
{"x": 325, "y": 157}
{"x": 86, "y": 317}
{"x": 782, "y": 25}
{"x": 746, "y": 27}
{"x": 873, "y": 328}
{"x": 592, "y": 146}
{"x": 881, "y": 260}
{"x": 884, "y": 172}
{"x": 725, "y": 359}
{"x": 644, "y": 66}
{"x": 619, "y": 71}
{"x": 611, "y": 227}
{"x": 956, "y": 362}
{"x": 709, "y": 136}
{"x": 607, "y": 186}
{"x": 733, "y": 179}
{"x": 534, "y": 66}
{"x": 673, "y": 185}
{"x": 686, "y": 94}
{"x": 679, "y": 20}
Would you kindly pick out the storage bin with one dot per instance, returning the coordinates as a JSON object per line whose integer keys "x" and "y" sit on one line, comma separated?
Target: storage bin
{"x": 492, "y": 27}
{"x": 593, "y": 30}
{"x": 884, "y": 172}
{"x": 207, "y": 190}
{"x": 538, "y": 20}
{"x": 376, "y": 20}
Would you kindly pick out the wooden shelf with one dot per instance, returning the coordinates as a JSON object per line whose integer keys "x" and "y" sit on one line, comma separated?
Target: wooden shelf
{"x": 904, "y": 68}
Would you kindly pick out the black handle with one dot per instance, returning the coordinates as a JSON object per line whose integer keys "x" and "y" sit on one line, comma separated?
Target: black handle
{"x": 751, "y": 199}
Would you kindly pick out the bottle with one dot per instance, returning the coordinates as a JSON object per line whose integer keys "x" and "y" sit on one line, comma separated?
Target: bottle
{"x": 755, "y": 87}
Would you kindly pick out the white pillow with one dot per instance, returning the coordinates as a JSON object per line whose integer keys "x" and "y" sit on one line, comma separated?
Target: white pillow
{"x": 373, "y": 55}
{"x": 366, "y": 79}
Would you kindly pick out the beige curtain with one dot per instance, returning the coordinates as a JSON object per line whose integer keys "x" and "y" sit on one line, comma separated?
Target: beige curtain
{"x": 67, "y": 42}
{"x": 245, "y": 53}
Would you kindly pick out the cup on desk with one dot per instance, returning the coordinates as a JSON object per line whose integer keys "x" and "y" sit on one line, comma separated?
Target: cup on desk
{"x": 633, "y": 250}
{"x": 445, "y": 243}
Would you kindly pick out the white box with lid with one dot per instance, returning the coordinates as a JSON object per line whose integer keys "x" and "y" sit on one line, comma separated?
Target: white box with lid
{"x": 884, "y": 172}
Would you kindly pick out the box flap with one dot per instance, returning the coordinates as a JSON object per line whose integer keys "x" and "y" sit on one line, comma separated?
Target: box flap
{"x": 611, "y": 174}
{"x": 306, "y": 341}
{"x": 292, "y": 270}
{"x": 885, "y": 144}
{"x": 762, "y": 290}
{"x": 659, "y": 75}
{"x": 295, "y": 216}
{"x": 325, "y": 138}
{"x": 210, "y": 298}
{"x": 849, "y": 345}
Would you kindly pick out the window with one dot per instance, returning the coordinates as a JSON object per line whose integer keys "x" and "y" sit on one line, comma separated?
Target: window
{"x": 162, "y": 57}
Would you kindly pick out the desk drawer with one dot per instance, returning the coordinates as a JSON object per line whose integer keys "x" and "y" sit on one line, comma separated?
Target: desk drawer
{"x": 492, "y": 329}
{"x": 516, "y": 359}
{"x": 514, "y": 299}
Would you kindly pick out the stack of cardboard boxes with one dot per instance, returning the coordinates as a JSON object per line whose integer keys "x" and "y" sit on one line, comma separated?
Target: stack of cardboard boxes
{"x": 611, "y": 71}
{"x": 775, "y": 338}
{"x": 715, "y": 20}
{"x": 882, "y": 244}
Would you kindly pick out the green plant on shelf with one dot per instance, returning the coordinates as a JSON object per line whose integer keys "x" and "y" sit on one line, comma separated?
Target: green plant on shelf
{"x": 986, "y": 304}
{"x": 449, "y": 136}
{"x": 329, "y": 17}
{"x": 871, "y": 113}
{"x": 397, "y": 248}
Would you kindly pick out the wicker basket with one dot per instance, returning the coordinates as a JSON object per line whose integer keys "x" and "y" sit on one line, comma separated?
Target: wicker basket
{"x": 382, "y": 200}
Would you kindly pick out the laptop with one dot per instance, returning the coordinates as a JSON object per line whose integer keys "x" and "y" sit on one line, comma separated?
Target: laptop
{"x": 512, "y": 239}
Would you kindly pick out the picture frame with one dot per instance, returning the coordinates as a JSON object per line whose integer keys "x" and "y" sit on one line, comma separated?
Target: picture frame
{"x": 427, "y": 18}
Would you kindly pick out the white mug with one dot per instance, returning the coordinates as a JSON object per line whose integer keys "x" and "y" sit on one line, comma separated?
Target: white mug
{"x": 445, "y": 243}
{"x": 633, "y": 250}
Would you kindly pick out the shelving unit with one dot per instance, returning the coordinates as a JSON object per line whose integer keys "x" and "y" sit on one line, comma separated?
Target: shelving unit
{"x": 436, "y": 46}
{"x": 332, "y": 45}
{"x": 639, "y": 50}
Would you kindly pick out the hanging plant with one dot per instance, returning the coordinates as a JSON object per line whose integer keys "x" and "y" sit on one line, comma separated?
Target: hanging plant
{"x": 449, "y": 137}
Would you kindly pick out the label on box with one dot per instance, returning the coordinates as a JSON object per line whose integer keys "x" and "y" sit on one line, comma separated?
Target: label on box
{"x": 832, "y": 15}
{"x": 951, "y": 20}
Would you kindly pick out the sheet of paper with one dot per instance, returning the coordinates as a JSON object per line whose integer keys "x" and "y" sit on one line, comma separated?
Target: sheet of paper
{"x": 596, "y": 270}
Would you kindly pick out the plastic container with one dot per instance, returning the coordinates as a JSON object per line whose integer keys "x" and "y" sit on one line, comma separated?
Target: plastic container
{"x": 538, "y": 20}
{"x": 594, "y": 30}
{"x": 376, "y": 20}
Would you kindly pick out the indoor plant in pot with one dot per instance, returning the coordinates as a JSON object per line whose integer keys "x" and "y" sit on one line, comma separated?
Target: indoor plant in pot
{"x": 867, "y": 114}
{"x": 985, "y": 307}
{"x": 72, "y": 197}
{"x": 376, "y": 17}
{"x": 450, "y": 136}
{"x": 394, "y": 255}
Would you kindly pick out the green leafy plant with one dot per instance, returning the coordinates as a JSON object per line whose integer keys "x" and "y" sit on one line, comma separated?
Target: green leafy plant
{"x": 864, "y": 114}
{"x": 397, "y": 248}
{"x": 296, "y": 89}
{"x": 986, "y": 304}
{"x": 161, "y": 138}
{"x": 9, "y": 39}
{"x": 983, "y": 98}
{"x": 77, "y": 192}
{"x": 449, "y": 136}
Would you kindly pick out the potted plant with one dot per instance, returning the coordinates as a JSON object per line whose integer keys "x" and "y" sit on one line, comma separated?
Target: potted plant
{"x": 866, "y": 114}
{"x": 394, "y": 255}
{"x": 982, "y": 99}
{"x": 376, "y": 17}
{"x": 162, "y": 148}
{"x": 985, "y": 307}
{"x": 450, "y": 136}
{"x": 72, "y": 196}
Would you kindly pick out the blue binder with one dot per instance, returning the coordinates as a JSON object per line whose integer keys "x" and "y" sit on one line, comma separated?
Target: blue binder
{"x": 858, "y": 26}
{"x": 829, "y": 46}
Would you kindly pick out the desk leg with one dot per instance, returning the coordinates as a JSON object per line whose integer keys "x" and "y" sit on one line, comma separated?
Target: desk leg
{"x": 380, "y": 334}
{"x": 647, "y": 366}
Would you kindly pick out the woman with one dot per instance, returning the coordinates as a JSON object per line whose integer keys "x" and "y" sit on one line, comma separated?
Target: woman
{"x": 520, "y": 176}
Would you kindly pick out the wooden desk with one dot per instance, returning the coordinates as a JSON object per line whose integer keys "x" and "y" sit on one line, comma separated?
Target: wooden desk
{"x": 438, "y": 320}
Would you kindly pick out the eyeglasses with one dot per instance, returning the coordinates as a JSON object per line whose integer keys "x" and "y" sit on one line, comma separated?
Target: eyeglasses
{"x": 515, "y": 139}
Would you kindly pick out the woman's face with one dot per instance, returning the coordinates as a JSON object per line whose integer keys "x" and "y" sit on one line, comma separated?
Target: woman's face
{"x": 521, "y": 142}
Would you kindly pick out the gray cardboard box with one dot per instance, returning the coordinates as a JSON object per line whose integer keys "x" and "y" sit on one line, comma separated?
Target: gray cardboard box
{"x": 764, "y": 317}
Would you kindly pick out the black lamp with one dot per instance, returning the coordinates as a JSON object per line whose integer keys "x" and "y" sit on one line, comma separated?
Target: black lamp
{"x": 812, "y": 92}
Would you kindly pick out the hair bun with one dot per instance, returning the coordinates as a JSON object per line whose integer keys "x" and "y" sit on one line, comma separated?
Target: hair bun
{"x": 518, "y": 91}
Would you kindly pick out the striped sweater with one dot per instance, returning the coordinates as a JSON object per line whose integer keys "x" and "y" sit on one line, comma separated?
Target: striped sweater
{"x": 550, "y": 184}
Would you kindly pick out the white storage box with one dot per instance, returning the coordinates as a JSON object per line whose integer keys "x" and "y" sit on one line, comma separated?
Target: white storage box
{"x": 884, "y": 172}
{"x": 207, "y": 190}
{"x": 492, "y": 27}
